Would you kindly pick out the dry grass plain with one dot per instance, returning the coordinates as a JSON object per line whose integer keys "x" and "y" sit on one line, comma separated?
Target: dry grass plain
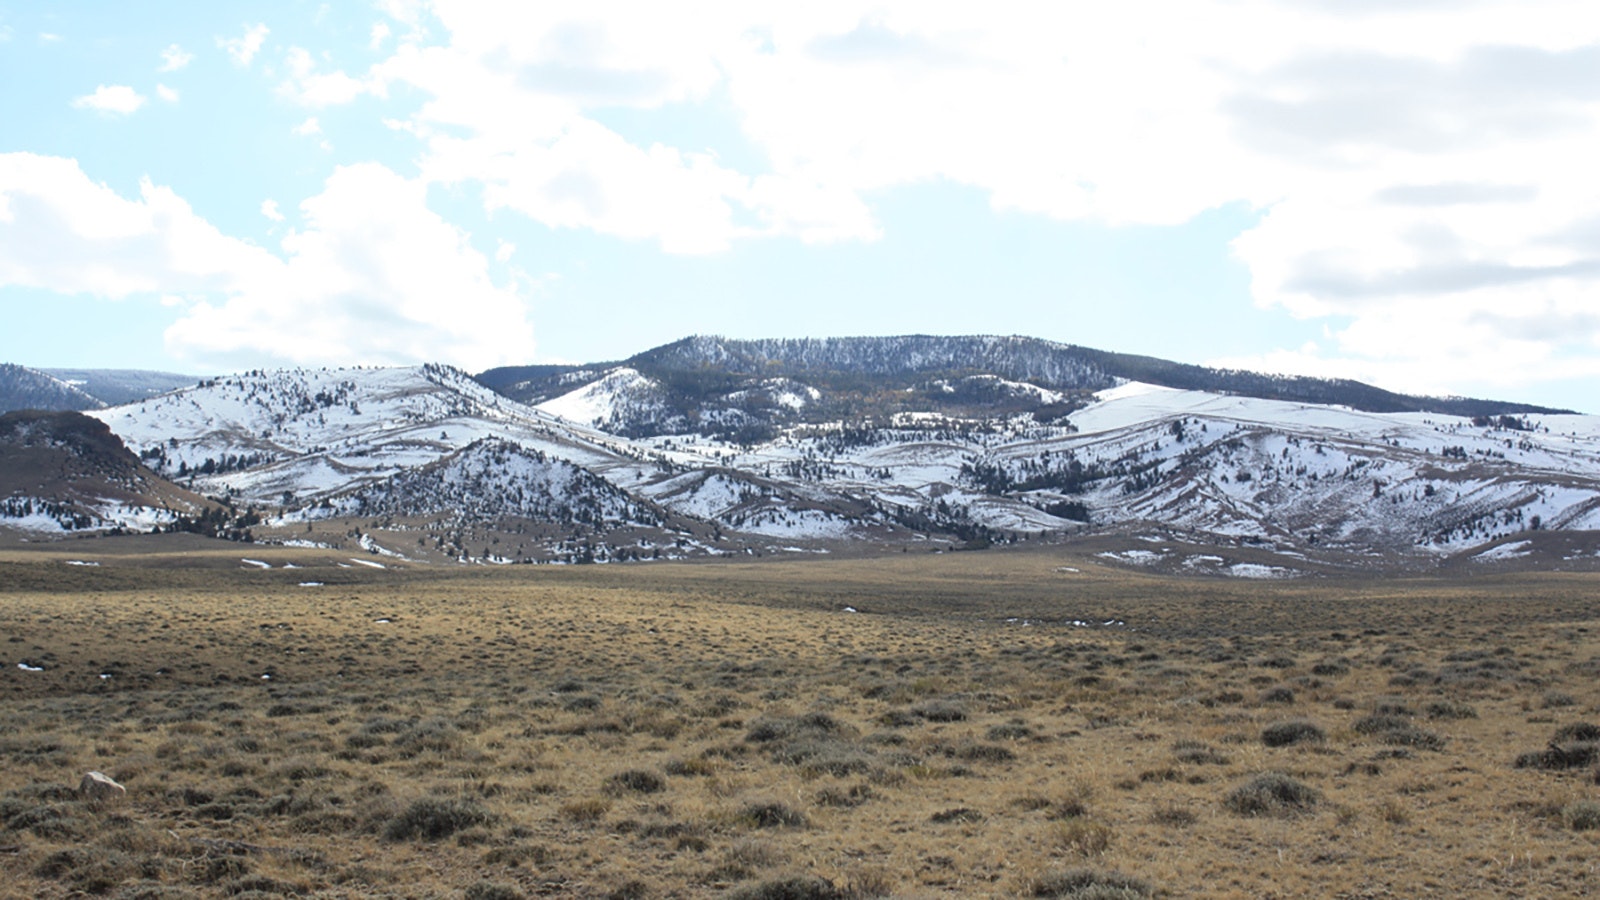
{"x": 692, "y": 730}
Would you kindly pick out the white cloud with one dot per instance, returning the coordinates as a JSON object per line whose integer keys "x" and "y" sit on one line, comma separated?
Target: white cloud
{"x": 175, "y": 57}
{"x": 49, "y": 37}
{"x": 380, "y": 33}
{"x": 504, "y": 250}
{"x": 244, "y": 48}
{"x": 374, "y": 277}
{"x": 167, "y": 95}
{"x": 63, "y": 232}
{"x": 1424, "y": 170}
{"x": 117, "y": 99}
{"x": 309, "y": 87}
{"x": 269, "y": 208}
{"x": 309, "y": 128}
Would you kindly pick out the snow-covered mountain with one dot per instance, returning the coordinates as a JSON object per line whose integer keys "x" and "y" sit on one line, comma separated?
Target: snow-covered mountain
{"x": 754, "y": 447}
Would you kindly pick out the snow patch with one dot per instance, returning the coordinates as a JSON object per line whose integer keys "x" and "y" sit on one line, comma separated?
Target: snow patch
{"x": 1257, "y": 570}
{"x": 1136, "y": 557}
{"x": 1513, "y": 550}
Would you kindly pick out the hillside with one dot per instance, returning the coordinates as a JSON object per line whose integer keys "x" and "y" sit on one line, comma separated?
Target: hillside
{"x": 65, "y": 472}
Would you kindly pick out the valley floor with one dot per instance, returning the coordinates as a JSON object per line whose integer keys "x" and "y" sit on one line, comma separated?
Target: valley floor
{"x": 977, "y": 724}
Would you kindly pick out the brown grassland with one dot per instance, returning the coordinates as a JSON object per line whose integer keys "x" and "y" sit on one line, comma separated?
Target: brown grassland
{"x": 687, "y": 730}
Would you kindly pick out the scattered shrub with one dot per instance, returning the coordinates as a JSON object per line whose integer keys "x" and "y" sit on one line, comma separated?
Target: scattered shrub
{"x": 1583, "y": 815}
{"x": 1446, "y": 709}
{"x": 436, "y": 735}
{"x": 1082, "y": 836}
{"x": 772, "y": 814}
{"x": 700, "y": 766}
{"x": 641, "y": 781}
{"x": 433, "y": 819}
{"x": 792, "y": 887}
{"x": 488, "y": 890}
{"x": 1271, "y": 794}
{"x": 1577, "y": 731}
{"x": 1411, "y": 736}
{"x": 940, "y": 711}
{"x": 1571, "y": 747}
{"x": 633, "y": 889}
{"x": 589, "y": 809}
{"x": 1198, "y": 753}
{"x": 1393, "y": 812}
{"x": 959, "y": 814}
{"x": 1174, "y": 816}
{"x": 1294, "y": 731}
{"x": 991, "y": 753}
{"x": 1377, "y": 724}
{"x": 1012, "y": 731}
{"x": 1280, "y": 694}
{"x": 1089, "y": 884}
{"x": 844, "y": 798}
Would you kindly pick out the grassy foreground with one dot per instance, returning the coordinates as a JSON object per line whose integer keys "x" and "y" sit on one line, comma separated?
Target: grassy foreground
{"x": 909, "y": 727}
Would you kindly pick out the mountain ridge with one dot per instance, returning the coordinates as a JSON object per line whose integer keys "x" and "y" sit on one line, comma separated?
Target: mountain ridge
{"x": 714, "y": 448}
{"x": 1019, "y": 358}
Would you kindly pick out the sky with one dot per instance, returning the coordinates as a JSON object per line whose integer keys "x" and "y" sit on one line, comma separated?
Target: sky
{"x": 1403, "y": 192}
